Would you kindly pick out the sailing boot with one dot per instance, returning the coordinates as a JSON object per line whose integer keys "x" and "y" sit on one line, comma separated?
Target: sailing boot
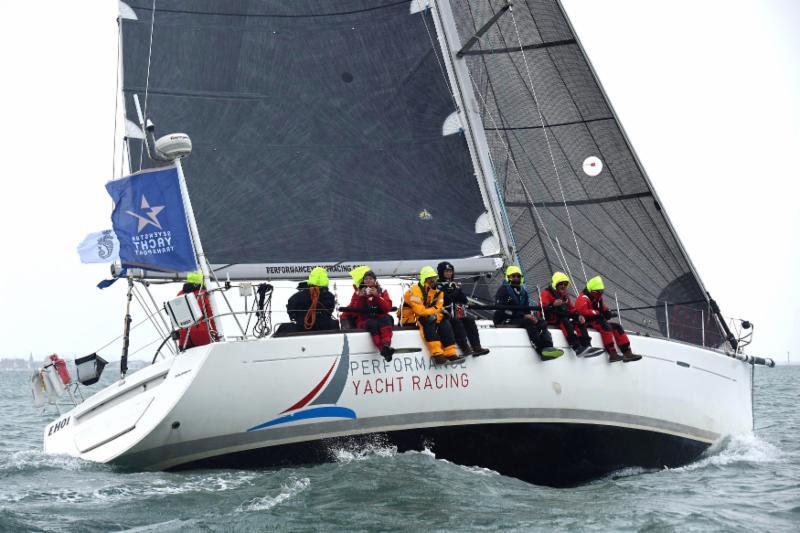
{"x": 387, "y": 352}
{"x": 578, "y": 348}
{"x": 439, "y": 359}
{"x": 549, "y": 353}
{"x": 575, "y": 343}
{"x": 613, "y": 355}
{"x": 628, "y": 356}
{"x": 587, "y": 350}
{"x": 465, "y": 349}
{"x": 478, "y": 351}
{"x": 451, "y": 355}
{"x": 454, "y": 360}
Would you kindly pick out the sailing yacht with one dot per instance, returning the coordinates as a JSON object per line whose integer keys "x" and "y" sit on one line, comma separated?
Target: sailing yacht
{"x": 398, "y": 134}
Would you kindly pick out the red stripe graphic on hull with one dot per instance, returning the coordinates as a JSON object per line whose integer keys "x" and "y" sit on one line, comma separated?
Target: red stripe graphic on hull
{"x": 307, "y": 398}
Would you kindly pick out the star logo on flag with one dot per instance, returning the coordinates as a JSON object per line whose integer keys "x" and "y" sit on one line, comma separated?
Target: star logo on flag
{"x": 150, "y": 217}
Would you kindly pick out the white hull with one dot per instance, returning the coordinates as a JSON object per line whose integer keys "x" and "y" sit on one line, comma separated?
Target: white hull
{"x": 236, "y": 396}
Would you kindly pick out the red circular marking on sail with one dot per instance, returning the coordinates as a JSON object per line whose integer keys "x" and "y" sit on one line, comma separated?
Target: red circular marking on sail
{"x": 592, "y": 166}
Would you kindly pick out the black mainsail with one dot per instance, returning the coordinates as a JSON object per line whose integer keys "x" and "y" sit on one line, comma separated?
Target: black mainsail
{"x": 317, "y": 128}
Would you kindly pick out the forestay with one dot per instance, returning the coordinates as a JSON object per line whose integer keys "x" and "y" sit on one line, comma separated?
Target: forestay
{"x": 320, "y": 129}
{"x": 577, "y": 197}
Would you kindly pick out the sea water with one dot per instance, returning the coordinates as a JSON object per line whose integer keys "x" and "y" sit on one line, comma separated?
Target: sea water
{"x": 746, "y": 482}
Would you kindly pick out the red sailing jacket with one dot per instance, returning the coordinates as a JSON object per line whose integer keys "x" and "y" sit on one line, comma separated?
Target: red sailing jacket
{"x": 199, "y": 334}
{"x": 549, "y": 296}
{"x": 590, "y": 308}
{"x": 382, "y": 301}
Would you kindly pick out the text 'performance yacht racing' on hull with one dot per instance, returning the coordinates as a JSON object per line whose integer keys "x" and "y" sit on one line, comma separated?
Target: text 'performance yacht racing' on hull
{"x": 396, "y": 135}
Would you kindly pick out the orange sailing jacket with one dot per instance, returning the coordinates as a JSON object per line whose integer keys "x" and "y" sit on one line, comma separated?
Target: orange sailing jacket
{"x": 418, "y": 301}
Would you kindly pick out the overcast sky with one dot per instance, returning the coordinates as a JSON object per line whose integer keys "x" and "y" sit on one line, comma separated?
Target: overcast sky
{"x": 706, "y": 89}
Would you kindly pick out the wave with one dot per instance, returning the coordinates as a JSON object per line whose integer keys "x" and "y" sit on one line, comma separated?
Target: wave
{"x": 147, "y": 487}
{"x": 169, "y": 525}
{"x": 631, "y": 471}
{"x": 360, "y": 449}
{"x": 137, "y": 487}
{"x": 292, "y": 488}
{"x": 37, "y": 459}
{"x": 479, "y": 470}
{"x": 746, "y": 448}
{"x": 11, "y": 521}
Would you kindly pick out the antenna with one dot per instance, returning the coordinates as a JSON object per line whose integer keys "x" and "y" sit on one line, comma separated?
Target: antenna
{"x": 166, "y": 149}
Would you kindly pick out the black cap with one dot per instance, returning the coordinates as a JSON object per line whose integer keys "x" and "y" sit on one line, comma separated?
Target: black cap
{"x": 444, "y": 265}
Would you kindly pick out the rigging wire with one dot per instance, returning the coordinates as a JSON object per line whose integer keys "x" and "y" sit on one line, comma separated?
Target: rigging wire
{"x": 116, "y": 103}
{"x": 145, "y": 346}
{"x": 158, "y": 309}
{"x": 158, "y": 327}
{"x": 147, "y": 82}
{"x": 438, "y": 59}
{"x": 569, "y": 271}
{"x": 118, "y": 337}
{"x": 225, "y": 285}
{"x": 549, "y": 146}
{"x": 513, "y": 160}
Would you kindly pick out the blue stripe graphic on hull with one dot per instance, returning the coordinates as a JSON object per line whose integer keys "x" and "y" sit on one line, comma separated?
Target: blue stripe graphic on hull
{"x": 317, "y": 412}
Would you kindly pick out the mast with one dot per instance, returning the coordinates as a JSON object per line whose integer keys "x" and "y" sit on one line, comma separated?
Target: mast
{"x": 473, "y": 126}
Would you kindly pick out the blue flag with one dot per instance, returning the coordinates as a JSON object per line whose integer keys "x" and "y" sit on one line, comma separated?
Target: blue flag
{"x": 150, "y": 222}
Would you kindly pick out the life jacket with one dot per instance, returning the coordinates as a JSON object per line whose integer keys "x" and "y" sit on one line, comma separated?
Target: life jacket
{"x": 421, "y": 301}
{"x": 381, "y": 302}
{"x": 509, "y": 295}
{"x": 517, "y": 298}
{"x": 588, "y": 306}
{"x": 548, "y": 296}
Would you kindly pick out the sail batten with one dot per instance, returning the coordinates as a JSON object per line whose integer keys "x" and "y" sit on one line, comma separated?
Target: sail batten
{"x": 537, "y": 46}
{"x": 578, "y": 197}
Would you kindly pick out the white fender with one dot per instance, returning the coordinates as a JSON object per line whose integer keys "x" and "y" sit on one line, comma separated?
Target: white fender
{"x": 38, "y": 389}
{"x": 53, "y": 384}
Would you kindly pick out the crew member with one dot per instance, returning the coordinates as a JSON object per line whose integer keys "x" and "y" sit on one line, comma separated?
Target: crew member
{"x": 515, "y": 309}
{"x": 310, "y": 308}
{"x": 590, "y": 305}
{"x": 559, "y": 310}
{"x": 424, "y": 306}
{"x": 455, "y": 302}
{"x": 369, "y": 308}
{"x": 205, "y": 331}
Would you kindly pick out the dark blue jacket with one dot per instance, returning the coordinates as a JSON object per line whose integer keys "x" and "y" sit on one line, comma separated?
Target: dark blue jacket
{"x": 508, "y": 295}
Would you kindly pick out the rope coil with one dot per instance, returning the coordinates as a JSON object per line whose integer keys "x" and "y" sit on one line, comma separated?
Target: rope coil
{"x": 311, "y": 314}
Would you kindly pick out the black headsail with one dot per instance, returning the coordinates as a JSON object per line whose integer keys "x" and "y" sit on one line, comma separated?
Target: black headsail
{"x": 550, "y": 128}
{"x": 317, "y": 128}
